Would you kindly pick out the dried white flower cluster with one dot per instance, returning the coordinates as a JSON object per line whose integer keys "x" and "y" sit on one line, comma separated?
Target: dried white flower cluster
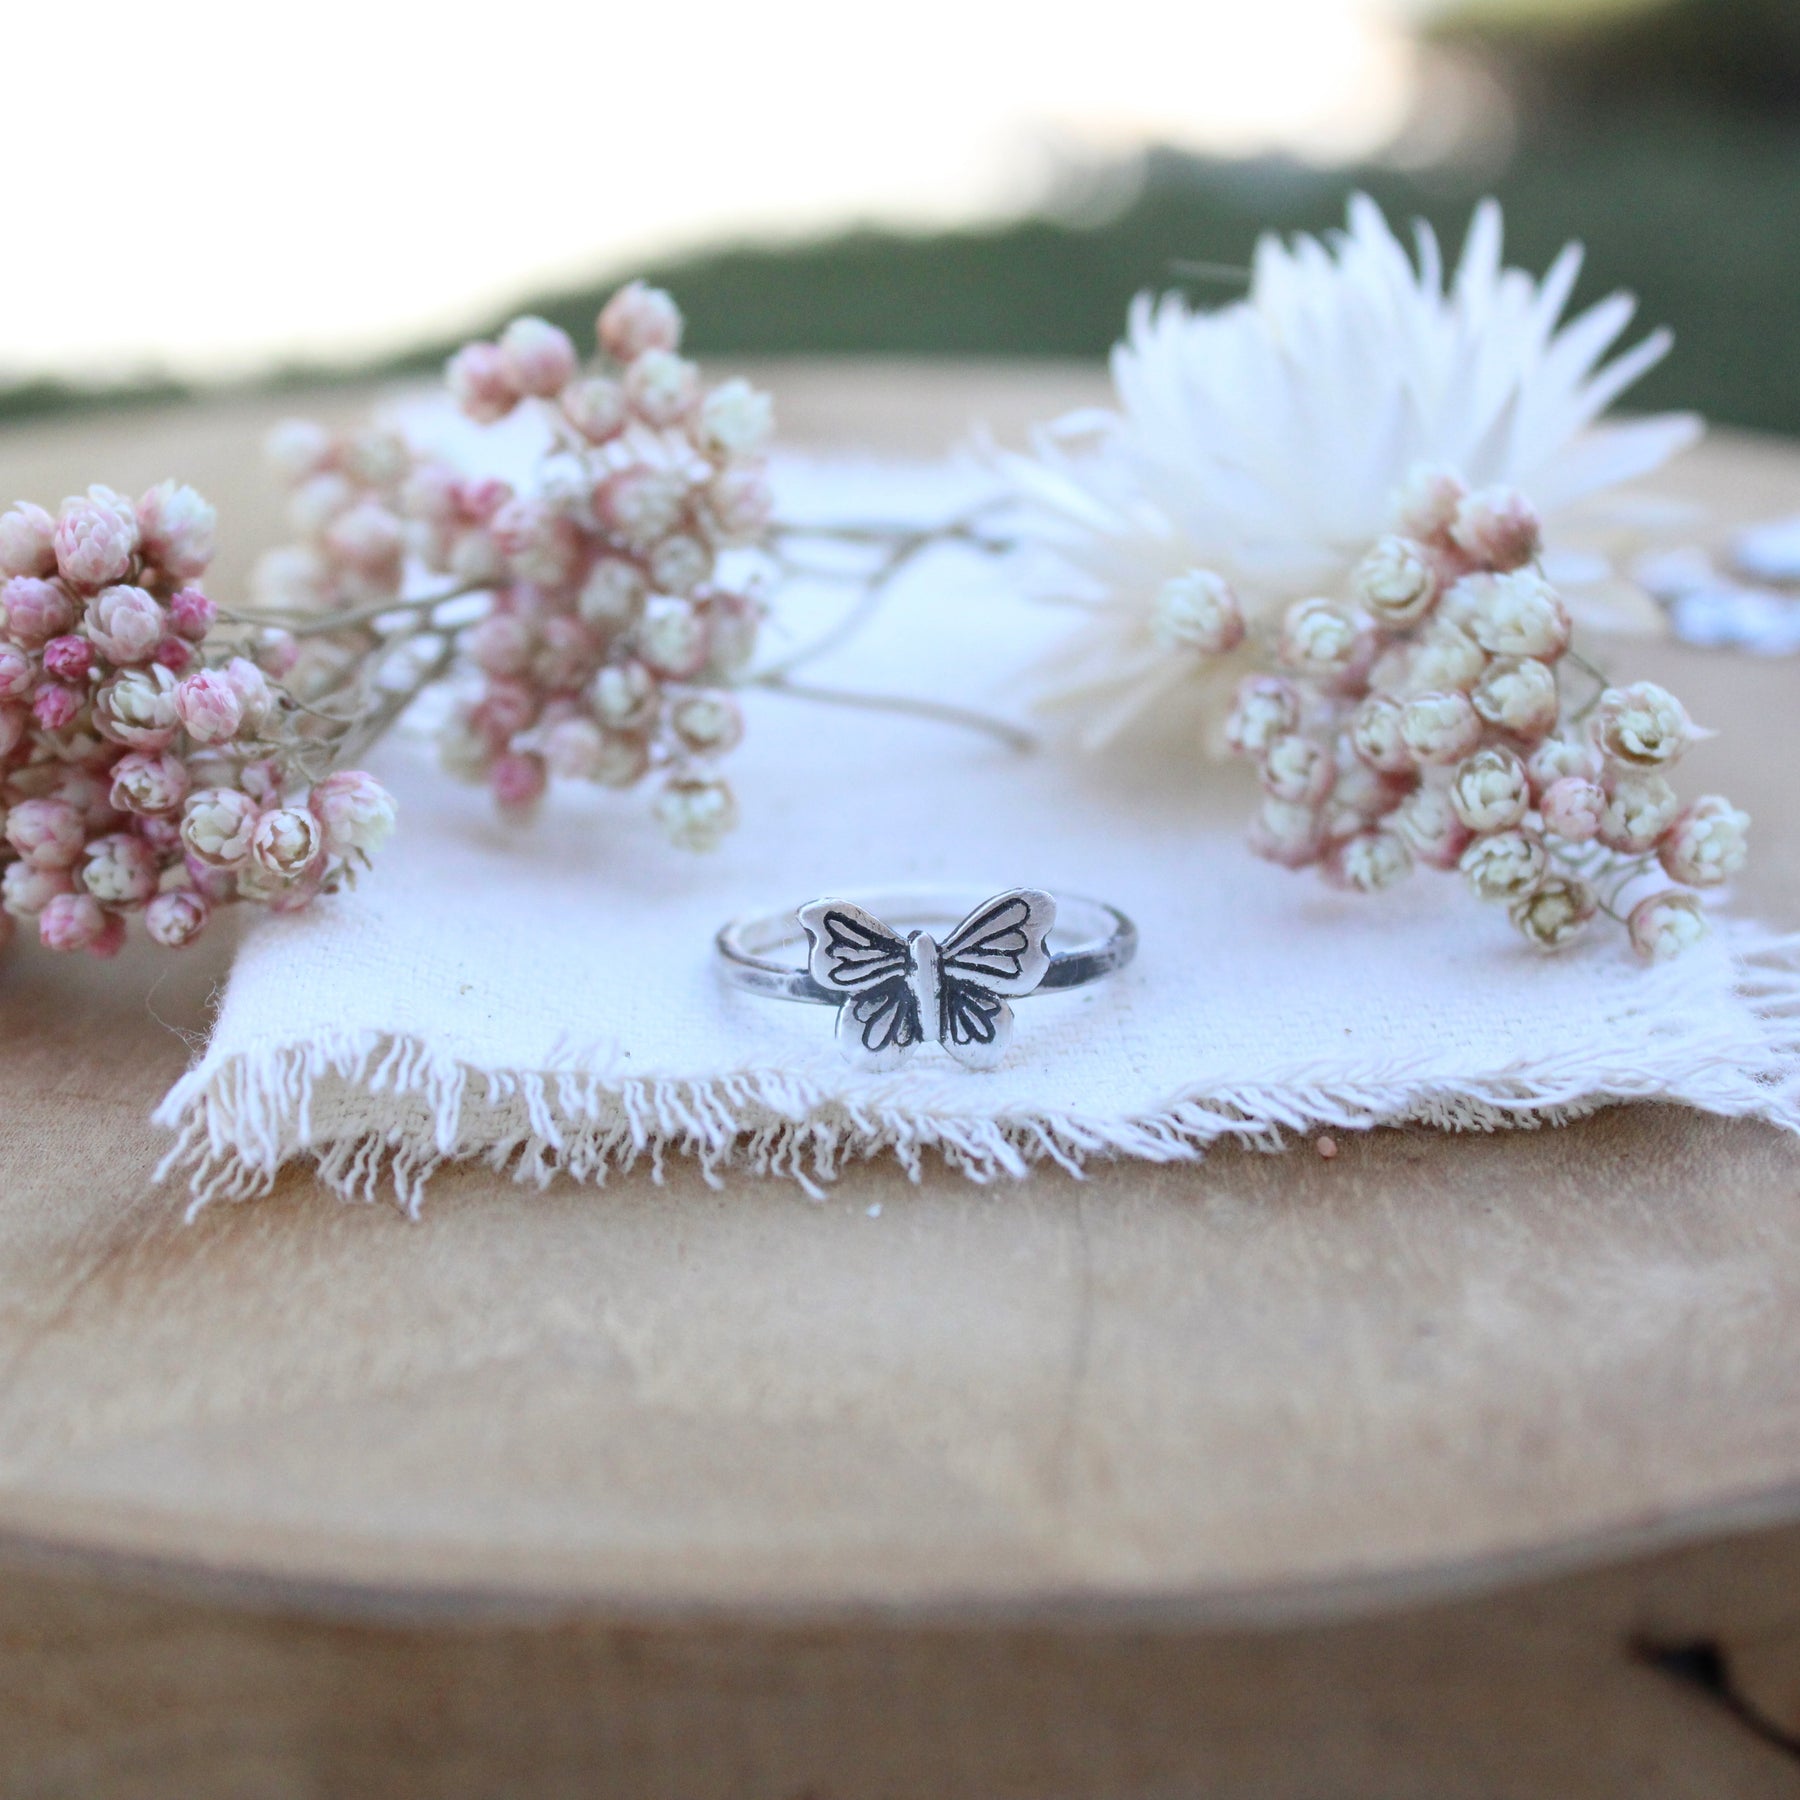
{"x": 1423, "y": 719}
{"x": 607, "y": 644}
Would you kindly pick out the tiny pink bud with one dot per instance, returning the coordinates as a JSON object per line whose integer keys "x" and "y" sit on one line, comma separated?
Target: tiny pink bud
{"x": 109, "y": 940}
{"x": 69, "y": 658}
{"x": 538, "y": 357}
{"x": 287, "y": 841}
{"x": 36, "y": 611}
{"x": 355, "y": 810}
{"x": 71, "y": 922}
{"x": 27, "y": 541}
{"x": 1498, "y": 529}
{"x": 217, "y": 824}
{"x": 276, "y": 651}
{"x": 94, "y": 541}
{"x": 1573, "y": 807}
{"x": 672, "y": 638}
{"x": 595, "y": 407}
{"x": 518, "y": 780}
{"x": 55, "y": 707}
{"x": 17, "y": 675}
{"x": 174, "y": 654}
{"x": 1426, "y": 504}
{"x": 1666, "y": 924}
{"x": 176, "y": 529}
{"x": 191, "y": 614}
{"x": 209, "y": 707}
{"x": 742, "y": 503}
{"x": 638, "y": 318}
{"x": 661, "y": 387}
{"x": 174, "y": 919}
{"x": 125, "y": 624}
{"x": 480, "y": 384}
{"x": 145, "y": 781}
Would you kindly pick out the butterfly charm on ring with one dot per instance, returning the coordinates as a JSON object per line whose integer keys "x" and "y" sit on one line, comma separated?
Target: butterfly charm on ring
{"x": 898, "y": 991}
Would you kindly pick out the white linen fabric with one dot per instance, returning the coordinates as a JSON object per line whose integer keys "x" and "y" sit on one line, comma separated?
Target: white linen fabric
{"x": 544, "y": 997}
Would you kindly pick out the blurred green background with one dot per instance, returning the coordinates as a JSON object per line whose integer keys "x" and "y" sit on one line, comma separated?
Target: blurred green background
{"x": 1663, "y": 133}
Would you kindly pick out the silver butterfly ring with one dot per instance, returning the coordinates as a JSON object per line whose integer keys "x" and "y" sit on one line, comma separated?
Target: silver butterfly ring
{"x": 897, "y": 986}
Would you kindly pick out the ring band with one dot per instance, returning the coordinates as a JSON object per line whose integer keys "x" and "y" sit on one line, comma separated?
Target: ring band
{"x": 896, "y": 984}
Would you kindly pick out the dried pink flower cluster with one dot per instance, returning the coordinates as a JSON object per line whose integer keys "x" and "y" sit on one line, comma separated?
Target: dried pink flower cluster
{"x": 145, "y": 765}
{"x": 608, "y": 643}
{"x": 1423, "y": 720}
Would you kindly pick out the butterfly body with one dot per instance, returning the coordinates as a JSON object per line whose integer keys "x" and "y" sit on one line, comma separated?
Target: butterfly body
{"x": 897, "y": 991}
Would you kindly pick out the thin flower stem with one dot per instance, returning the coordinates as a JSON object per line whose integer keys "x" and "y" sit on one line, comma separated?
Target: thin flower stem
{"x": 1013, "y": 736}
{"x": 323, "y": 624}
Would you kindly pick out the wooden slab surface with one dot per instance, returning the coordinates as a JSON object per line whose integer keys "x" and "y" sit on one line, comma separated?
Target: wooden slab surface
{"x": 1242, "y": 1397}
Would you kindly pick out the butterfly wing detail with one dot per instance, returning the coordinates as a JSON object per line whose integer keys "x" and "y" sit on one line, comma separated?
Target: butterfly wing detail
{"x": 852, "y": 955}
{"x": 998, "y": 952}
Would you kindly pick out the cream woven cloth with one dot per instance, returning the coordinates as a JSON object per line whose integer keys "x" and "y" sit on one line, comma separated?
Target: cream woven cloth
{"x": 543, "y": 997}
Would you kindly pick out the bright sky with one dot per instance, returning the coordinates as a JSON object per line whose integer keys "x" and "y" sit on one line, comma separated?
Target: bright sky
{"x": 218, "y": 183}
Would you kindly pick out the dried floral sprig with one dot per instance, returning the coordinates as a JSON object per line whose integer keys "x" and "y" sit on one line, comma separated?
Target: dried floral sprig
{"x": 1428, "y": 717}
{"x": 151, "y": 761}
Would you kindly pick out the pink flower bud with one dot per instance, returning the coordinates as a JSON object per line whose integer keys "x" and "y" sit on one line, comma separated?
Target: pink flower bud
{"x": 568, "y": 653}
{"x": 176, "y": 529}
{"x": 174, "y": 654}
{"x": 355, "y": 811}
{"x": 480, "y": 384}
{"x": 36, "y": 611}
{"x": 119, "y": 870}
{"x": 1639, "y": 809}
{"x": 69, "y": 658}
{"x": 1572, "y": 809}
{"x": 27, "y": 541}
{"x": 369, "y": 539}
{"x": 735, "y": 420}
{"x": 56, "y": 707}
{"x": 191, "y": 614}
{"x": 25, "y": 889}
{"x": 209, "y": 707}
{"x": 317, "y": 501}
{"x": 1518, "y": 694}
{"x": 1327, "y": 641}
{"x": 1497, "y": 528}
{"x": 377, "y": 458}
{"x": 46, "y": 833}
{"x": 1426, "y": 504}
{"x": 1265, "y": 707}
{"x": 477, "y": 501}
{"x": 1557, "y": 758}
{"x": 89, "y": 791}
{"x": 17, "y": 675}
{"x": 217, "y": 824}
{"x": 137, "y": 708}
{"x": 1440, "y": 728}
{"x": 537, "y": 357}
{"x": 253, "y": 691}
{"x": 162, "y": 832}
{"x": 595, "y": 407}
{"x": 518, "y": 780}
{"x": 507, "y": 707}
{"x": 125, "y": 624}
{"x": 1376, "y": 735}
{"x": 638, "y": 318}
{"x": 1642, "y": 726}
{"x": 71, "y": 922}
{"x": 287, "y": 841}
{"x": 429, "y": 494}
{"x": 145, "y": 781}
{"x": 94, "y": 543}
{"x": 500, "y": 644}
{"x": 1429, "y": 823}
{"x": 611, "y": 595}
{"x": 276, "y": 651}
{"x": 176, "y": 918}
{"x": 1396, "y": 581}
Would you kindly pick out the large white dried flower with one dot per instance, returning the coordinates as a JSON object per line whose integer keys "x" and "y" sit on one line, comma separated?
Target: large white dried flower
{"x": 1266, "y": 439}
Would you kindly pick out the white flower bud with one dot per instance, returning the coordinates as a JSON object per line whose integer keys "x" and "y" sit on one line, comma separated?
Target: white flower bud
{"x": 1295, "y": 768}
{"x": 680, "y": 564}
{"x": 1440, "y": 728}
{"x": 1376, "y": 735}
{"x": 1396, "y": 581}
{"x": 287, "y": 841}
{"x": 1198, "y": 613}
{"x": 708, "y": 723}
{"x": 217, "y": 824}
{"x": 596, "y": 408}
{"x": 1642, "y": 726}
{"x": 1519, "y": 614}
{"x": 176, "y": 529}
{"x": 624, "y": 697}
{"x": 1497, "y": 528}
{"x": 297, "y": 448}
{"x": 1506, "y": 866}
{"x": 735, "y": 420}
{"x": 1445, "y": 660}
{"x": 611, "y": 595}
{"x": 697, "y": 811}
{"x": 1286, "y": 832}
{"x": 1265, "y": 707}
{"x": 1490, "y": 791}
{"x": 538, "y": 357}
{"x": 1518, "y": 695}
{"x": 1425, "y": 505}
{"x": 661, "y": 387}
{"x": 1639, "y": 809}
{"x": 1707, "y": 844}
{"x": 1573, "y": 808}
{"x": 1428, "y": 822}
{"x": 1327, "y": 641}
{"x": 1556, "y": 912}
{"x": 119, "y": 870}
{"x": 1557, "y": 759}
{"x": 27, "y": 541}
{"x": 1666, "y": 924}
{"x": 1372, "y": 861}
{"x": 672, "y": 637}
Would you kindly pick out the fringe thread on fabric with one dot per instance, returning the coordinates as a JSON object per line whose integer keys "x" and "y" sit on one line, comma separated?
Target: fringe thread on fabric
{"x": 371, "y": 1109}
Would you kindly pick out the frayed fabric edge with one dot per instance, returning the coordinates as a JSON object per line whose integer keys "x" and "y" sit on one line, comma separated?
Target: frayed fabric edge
{"x": 240, "y": 1121}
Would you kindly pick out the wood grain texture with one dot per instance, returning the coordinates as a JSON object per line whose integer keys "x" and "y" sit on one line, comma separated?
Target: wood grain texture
{"x": 1157, "y": 1483}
